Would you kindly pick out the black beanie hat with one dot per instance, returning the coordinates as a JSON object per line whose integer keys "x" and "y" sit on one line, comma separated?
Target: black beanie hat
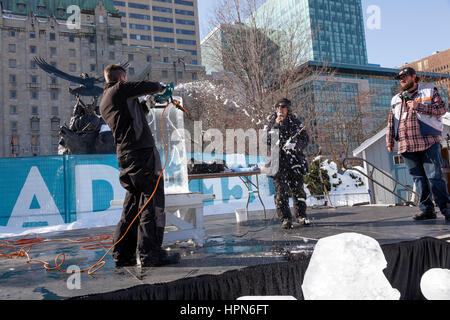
{"x": 284, "y": 101}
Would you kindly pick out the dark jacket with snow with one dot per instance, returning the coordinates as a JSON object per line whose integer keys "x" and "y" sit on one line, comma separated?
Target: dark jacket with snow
{"x": 127, "y": 118}
{"x": 291, "y": 162}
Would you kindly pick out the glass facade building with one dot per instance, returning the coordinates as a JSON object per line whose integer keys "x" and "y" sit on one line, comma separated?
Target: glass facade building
{"x": 347, "y": 99}
{"x": 353, "y": 102}
{"x": 331, "y": 31}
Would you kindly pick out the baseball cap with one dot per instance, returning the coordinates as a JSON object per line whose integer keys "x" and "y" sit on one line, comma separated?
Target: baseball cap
{"x": 283, "y": 103}
{"x": 405, "y": 71}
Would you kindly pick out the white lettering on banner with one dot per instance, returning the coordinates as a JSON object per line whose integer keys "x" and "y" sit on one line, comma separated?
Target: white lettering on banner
{"x": 85, "y": 174}
{"x": 47, "y": 212}
{"x": 215, "y": 187}
{"x": 236, "y": 182}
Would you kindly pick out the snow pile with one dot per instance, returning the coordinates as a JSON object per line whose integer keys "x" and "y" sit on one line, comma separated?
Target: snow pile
{"x": 85, "y": 220}
{"x": 347, "y": 266}
{"x": 347, "y": 188}
{"x": 348, "y": 180}
{"x": 435, "y": 284}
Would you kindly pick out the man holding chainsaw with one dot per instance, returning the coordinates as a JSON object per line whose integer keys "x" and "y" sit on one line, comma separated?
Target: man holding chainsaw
{"x": 140, "y": 167}
{"x": 288, "y": 180}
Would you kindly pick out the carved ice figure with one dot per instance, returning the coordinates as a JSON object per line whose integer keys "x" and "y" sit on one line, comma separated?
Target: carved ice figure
{"x": 435, "y": 284}
{"x": 347, "y": 266}
{"x": 175, "y": 174}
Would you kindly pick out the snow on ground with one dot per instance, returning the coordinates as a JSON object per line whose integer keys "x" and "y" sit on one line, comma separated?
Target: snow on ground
{"x": 352, "y": 186}
{"x": 85, "y": 221}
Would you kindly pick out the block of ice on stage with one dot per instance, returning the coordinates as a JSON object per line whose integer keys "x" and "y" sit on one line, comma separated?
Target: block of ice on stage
{"x": 175, "y": 174}
{"x": 347, "y": 266}
{"x": 435, "y": 284}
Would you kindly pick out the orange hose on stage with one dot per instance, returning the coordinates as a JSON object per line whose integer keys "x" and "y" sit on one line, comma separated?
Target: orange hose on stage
{"x": 22, "y": 247}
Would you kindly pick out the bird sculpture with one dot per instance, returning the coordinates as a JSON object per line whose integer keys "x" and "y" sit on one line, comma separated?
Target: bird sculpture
{"x": 87, "y": 86}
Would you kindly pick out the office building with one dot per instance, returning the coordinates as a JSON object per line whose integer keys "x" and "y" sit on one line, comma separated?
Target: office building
{"x": 438, "y": 62}
{"x": 350, "y": 105}
{"x": 325, "y": 31}
{"x": 161, "y": 23}
{"x": 330, "y": 31}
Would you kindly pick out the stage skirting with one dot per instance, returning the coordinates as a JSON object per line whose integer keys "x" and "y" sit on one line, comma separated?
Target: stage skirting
{"x": 407, "y": 262}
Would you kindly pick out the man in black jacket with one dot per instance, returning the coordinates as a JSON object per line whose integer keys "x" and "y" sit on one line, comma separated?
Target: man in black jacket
{"x": 140, "y": 167}
{"x": 288, "y": 180}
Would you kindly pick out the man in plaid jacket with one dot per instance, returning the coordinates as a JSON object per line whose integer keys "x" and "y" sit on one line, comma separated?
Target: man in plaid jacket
{"x": 415, "y": 124}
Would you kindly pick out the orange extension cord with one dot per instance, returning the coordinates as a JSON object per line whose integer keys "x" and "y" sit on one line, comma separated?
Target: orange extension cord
{"x": 22, "y": 247}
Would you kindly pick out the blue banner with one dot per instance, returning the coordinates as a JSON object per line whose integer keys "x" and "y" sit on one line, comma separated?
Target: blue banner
{"x": 52, "y": 190}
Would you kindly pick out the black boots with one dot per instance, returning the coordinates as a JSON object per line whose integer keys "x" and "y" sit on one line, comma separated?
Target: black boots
{"x": 162, "y": 259}
{"x": 425, "y": 215}
{"x": 125, "y": 263}
{"x": 303, "y": 221}
{"x": 446, "y": 212}
{"x": 286, "y": 224}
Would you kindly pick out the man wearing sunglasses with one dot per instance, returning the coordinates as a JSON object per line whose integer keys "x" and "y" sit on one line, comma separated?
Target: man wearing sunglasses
{"x": 288, "y": 180}
{"x": 415, "y": 124}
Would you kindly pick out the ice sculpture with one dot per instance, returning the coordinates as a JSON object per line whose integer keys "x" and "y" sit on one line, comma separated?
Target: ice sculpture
{"x": 435, "y": 284}
{"x": 347, "y": 266}
{"x": 175, "y": 174}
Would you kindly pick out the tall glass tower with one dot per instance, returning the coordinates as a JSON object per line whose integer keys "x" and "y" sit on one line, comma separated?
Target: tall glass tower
{"x": 328, "y": 30}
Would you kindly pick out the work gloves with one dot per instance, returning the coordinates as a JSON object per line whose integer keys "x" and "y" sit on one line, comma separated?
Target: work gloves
{"x": 290, "y": 146}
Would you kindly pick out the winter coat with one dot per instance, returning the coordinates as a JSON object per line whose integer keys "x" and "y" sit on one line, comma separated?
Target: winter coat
{"x": 122, "y": 112}
{"x": 291, "y": 162}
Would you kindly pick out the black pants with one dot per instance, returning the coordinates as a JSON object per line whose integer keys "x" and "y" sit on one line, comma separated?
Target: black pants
{"x": 287, "y": 185}
{"x": 138, "y": 175}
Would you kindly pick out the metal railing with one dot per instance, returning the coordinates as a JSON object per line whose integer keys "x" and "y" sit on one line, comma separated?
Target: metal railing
{"x": 372, "y": 181}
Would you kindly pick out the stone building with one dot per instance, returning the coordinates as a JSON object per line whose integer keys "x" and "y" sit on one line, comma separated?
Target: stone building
{"x": 156, "y": 23}
{"x": 33, "y": 103}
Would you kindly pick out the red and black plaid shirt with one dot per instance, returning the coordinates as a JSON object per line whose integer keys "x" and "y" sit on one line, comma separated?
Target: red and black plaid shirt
{"x": 409, "y": 137}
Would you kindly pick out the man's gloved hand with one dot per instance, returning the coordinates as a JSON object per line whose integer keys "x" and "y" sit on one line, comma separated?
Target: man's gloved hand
{"x": 167, "y": 94}
{"x": 290, "y": 146}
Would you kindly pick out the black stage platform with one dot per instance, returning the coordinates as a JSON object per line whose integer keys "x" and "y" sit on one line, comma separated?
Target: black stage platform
{"x": 260, "y": 248}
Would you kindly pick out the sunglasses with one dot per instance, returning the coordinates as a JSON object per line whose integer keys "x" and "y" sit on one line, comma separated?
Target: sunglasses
{"x": 282, "y": 106}
{"x": 403, "y": 76}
